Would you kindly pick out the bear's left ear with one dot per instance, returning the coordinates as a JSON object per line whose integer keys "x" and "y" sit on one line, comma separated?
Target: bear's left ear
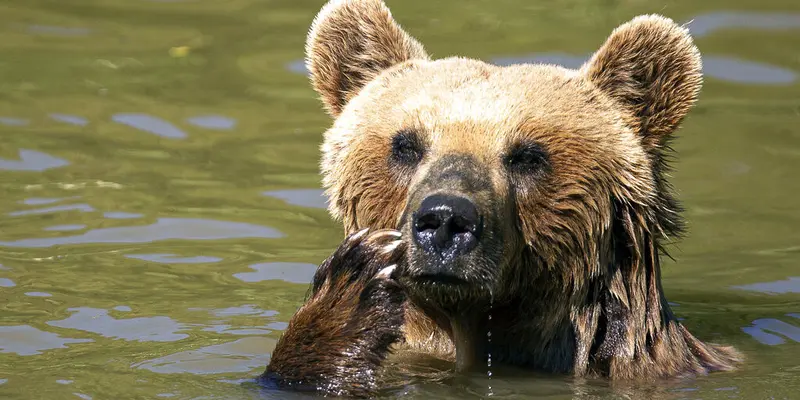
{"x": 350, "y": 42}
{"x": 652, "y": 68}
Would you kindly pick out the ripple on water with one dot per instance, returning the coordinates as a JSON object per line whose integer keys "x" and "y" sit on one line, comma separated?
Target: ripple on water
{"x": 217, "y": 122}
{"x": 791, "y": 285}
{"x": 38, "y": 294}
{"x": 5, "y": 282}
{"x": 58, "y": 30}
{"x": 163, "y": 229}
{"x": 723, "y": 68}
{"x": 140, "y": 329}
{"x": 313, "y": 198}
{"x": 48, "y": 210}
{"x": 741, "y": 71}
{"x": 173, "y": 259}
{"x": 764, "y": 330}
{"x": 32, "y": 160}
{"x": 26, "y": 340}
{"x": 237, "y": 330}
{"x": 60, "y": 228}
{"x": 240, "y": 356}
{"x": 247, "y": 309}
{"x": 11, "y": 121}
{"x": 37, "y": 201}
{"x": 298, "y": 67}
{"x": 287, "y": 272}
{"x": 121, "y": 215}
{"x": 150, "y": 124}
{"x": 69, "y": 119}
{"x": 705, "y": 24}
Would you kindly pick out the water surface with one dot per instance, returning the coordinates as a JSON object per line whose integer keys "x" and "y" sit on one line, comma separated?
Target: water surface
{"x": 162, "y": 213}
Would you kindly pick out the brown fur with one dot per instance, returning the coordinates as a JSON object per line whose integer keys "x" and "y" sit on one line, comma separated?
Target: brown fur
{"x": 573, "y": 276}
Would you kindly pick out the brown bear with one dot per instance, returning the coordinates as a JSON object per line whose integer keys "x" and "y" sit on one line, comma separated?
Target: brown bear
{"x": 533, "y": 191}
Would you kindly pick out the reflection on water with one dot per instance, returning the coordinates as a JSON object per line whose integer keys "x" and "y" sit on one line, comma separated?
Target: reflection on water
{"x": 791, "y": 285}
{"x": 38, "y": 294}
{"x": 37, "y": 201}
{"x": 724, "y": 68}
{"x": 32, "y": 160}
{"x": 173, "y": 259}
{"x": 314, "y": 198}
{"x": 766, "y": 330}
{"x": 150, "y": 124}
{"x": 718, "y": 67}
{"x": 11, "y": 121}
{"x": 241, "y": 356}
{"x": 163, "y": 229}
{"x": 142, "y": 329}
{"x": 121, "y": 215}
{"x": 212, "y": 122}
{"x": 69, "y": 119}
{"x": 55, "y": 209}
{"x": 162, "y": 217}
{"x": 58, "y": 30}
{"x": 74, "y": 227}
{"x": 287, "y": 272}
{"x": 25, "y": 340}
{"x": 247, "y": 309}
{"x": 706, "y": 24}
{"x": 741, "y": 71}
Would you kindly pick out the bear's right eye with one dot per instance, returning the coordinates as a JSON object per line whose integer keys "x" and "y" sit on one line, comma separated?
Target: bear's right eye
{"x": 407, "y": 148}
{"x": 527, "y": 158}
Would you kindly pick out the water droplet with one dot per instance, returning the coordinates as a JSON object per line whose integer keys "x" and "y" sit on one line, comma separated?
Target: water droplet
{"x": 489, "y": 344}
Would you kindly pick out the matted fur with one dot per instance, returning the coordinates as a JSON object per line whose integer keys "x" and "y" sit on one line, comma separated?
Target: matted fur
{"x": 575, "y": 272}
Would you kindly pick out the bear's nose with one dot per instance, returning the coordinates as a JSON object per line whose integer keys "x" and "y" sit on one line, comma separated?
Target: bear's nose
{"x": 447, "y": 225}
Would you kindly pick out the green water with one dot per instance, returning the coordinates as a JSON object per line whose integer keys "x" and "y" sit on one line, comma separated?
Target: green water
{"x": 159, "y": 217}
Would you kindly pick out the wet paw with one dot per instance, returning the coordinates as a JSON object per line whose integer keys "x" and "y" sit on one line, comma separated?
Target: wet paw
{"x": 358, "y": 259}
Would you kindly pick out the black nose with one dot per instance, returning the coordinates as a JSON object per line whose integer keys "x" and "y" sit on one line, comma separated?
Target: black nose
{"x": 447, "y": 225}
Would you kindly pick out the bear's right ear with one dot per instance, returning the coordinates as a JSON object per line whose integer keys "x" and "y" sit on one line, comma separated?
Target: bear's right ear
{"x": 651, "y": 67}
{"x": 350, "y": 42}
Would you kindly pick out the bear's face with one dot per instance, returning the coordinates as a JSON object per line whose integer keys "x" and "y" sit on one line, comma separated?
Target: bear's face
{"x": 496, "y": 174}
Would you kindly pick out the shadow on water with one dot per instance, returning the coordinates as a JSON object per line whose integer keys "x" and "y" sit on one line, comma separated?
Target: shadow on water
{"x": 162, "y": 216}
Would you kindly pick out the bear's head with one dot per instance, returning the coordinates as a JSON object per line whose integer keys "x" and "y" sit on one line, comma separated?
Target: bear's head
{"x": 521, "y": 182}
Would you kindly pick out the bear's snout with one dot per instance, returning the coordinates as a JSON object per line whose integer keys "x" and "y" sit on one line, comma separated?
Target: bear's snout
{"x": 447, "y": 226}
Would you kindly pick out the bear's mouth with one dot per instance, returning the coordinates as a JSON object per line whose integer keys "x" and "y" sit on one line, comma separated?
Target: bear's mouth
{"x": 439, "y": 279}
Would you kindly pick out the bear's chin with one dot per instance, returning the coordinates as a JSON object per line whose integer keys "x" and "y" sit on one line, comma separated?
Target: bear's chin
{"x": 448, "y": 294}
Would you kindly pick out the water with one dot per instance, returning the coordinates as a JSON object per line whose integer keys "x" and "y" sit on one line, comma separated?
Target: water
{"x": 161, "y": 213}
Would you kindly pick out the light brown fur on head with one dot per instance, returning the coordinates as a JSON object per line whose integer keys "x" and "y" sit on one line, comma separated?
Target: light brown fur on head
{"x": 571, "y": 250}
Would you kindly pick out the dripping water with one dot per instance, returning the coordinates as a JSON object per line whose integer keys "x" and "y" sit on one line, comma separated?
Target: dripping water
{"x": 489, "y": 344}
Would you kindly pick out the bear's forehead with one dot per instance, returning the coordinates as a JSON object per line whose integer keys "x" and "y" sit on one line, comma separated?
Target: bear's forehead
{"x": 460, "y": 102}
{"x": 458, "y": 90}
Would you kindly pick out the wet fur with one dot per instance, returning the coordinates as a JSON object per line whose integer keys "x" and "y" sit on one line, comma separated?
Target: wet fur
{"x": 580, "y": 288}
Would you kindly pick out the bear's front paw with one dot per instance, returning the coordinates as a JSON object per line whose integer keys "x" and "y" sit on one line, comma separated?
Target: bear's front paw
{"x": 363, "y": 264}
{"x": 338, "y": 339}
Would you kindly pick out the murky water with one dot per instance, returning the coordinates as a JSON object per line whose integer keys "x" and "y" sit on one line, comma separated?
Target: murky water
{"x": 161, "y": 213}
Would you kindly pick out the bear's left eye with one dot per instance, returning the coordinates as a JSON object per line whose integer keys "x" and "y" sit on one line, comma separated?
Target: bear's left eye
{"x": 407, "y": 148}
{"x": 527, "y": 158}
